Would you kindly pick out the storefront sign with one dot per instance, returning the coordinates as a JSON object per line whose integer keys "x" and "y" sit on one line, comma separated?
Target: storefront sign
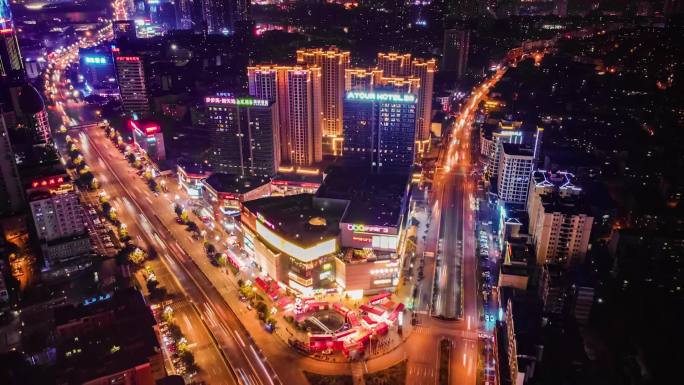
{"x": 358, "y": 228}
{"x": 362, "y": 239}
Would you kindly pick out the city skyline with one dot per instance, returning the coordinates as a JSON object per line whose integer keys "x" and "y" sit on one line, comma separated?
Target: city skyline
{"x": 267, "y": 192}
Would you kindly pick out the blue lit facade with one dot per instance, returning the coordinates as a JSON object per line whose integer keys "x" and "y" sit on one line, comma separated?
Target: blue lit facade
{"x": 379, "y": 130}
{"x": 96, "y": 65}
{"x": 11, "y": 63}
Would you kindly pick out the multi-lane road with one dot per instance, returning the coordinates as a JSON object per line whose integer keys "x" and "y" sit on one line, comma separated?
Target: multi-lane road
{"x": 236, "y": 358}
{"x": 454, "y": 245}
{"x": 234, "y": 341}
{"x": 235, "y": 347}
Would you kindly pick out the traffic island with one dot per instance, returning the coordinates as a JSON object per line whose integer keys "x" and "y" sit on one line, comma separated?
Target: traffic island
{"x": 394, "y": 375}
{"x": 319, "y": 379}
{"x": 444, "y": 355}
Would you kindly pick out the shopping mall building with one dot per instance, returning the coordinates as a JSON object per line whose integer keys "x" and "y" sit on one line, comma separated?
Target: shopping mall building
{"x": 348, "y": 236}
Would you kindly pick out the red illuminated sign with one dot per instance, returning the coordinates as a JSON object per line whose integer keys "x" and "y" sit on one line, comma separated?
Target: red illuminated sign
{"x": 362, "y": 239}
{"x": 48, "y": 182}
{"x": 295, "y": 184}
{"x": 152, "y": 129}
{"x": 148, "y": 128}
{"x": 228, "y": 196}
{"x": 128, "y": 58}
{"x": 6, "y": 31}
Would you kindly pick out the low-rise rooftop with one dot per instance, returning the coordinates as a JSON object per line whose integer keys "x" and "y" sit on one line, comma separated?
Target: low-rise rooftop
{"x": 374, "y": 199}
{"x": 123, "y": 337}
{"x": 230, "y": 183}
{"x": 567, "y": 205}
{"x": 298, "y": 218}
{"x": 517, "y": 150}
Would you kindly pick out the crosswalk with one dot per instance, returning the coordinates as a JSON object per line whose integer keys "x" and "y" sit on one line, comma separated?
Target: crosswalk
{"x": 424, "y": 330}
{"x": 421, "y": 374}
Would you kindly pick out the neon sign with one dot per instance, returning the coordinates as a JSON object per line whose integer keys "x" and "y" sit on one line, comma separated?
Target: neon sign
{"x": 265, "y": 221}
{"x": 148, "y": 129}
{"x": 50, "y": 182}
{"x": 302, "y": 254}
{"x": 247, "y": 102}
{"x": 362, "y": 239}
{"x": 295, "y": 184}
{"x": 359, "y": 228}
{"x": 381, "y": 97}
{"x": 99, "y": 60}
{"x": 127, "y": 58}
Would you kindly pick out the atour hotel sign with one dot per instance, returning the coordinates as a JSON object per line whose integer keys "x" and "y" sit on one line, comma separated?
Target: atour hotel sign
{"x": 392, "y": 97}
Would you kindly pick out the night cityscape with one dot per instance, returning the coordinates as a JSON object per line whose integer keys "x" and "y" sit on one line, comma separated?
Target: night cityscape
{"x": 341, "y": 192}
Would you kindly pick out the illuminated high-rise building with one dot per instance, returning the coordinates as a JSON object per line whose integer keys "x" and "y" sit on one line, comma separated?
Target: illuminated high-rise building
{"x": 297, "y": 92}
{"x": 33, "y": 115}
{"x": 304, "y": 109}
{"x": 455, "y": 51}
{"x": 333, "y": 64}
{"x": 398, "y": 84}
{"x": 244, "y": 135}
{"x": 184, "y": 14}
{"x": 394, "y": 64}
{"x": 508, "y": 131}
{"x": 11, "y": 196}
{"x": 379, "y": 127}
{"x": 359, "y": 79}
{"x": 130, "y": 71}
{"x": 515, "y": 167}
{"x": 562, "y": 229}
{"x": 402, "y": 74}
{"x": 221, "y": 16}
{"x": 425, "y": 71}
{"x": 268, "y": 82}
{"x": 58, "y": 217}
{"x": 11, "y": 63}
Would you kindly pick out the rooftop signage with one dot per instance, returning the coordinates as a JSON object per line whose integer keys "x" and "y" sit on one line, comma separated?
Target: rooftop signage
{"x": 265, "y": 221}
{"x": 127, "y": 58}
{"x": 49, "y": 182}
{"x": 147, "y": 130}
{"x": 232, "y": 101}
{"x": 359, "y": 228}
{"x": 99, "y": 60}
{"x": 393, "y": 97}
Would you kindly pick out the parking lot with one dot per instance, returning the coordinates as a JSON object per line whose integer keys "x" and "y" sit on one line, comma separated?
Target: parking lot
{"x": 102, "y": 236}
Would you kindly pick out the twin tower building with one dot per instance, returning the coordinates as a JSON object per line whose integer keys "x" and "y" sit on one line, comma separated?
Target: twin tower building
{"x": 296, "y": 114}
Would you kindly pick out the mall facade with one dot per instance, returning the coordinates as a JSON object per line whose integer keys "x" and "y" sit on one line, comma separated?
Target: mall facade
{"x": 347, "y": 237}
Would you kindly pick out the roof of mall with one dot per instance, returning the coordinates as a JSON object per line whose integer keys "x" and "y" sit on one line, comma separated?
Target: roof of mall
{"x": 230, "y": 183}
{"x": 374, "y": 199}
{"x": 291, "y": 217}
